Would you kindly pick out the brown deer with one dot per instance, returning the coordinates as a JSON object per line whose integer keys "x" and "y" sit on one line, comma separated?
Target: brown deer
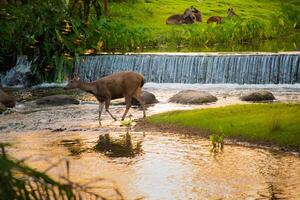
{"x": 189, "y": 16}
{"x": 197, "y": 14}
{"x": 126, "y": 84}
{"x": 218, "y": 19}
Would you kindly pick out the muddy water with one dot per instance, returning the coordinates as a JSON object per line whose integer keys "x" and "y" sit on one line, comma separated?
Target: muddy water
{"x": 172, "y": 166}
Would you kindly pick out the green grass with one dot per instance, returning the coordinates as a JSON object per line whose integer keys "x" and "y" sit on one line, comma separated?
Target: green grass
{"x": 258, "y": 20}
{"x": 276, "y": 123}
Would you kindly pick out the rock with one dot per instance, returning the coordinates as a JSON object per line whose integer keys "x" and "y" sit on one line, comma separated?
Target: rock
{"x": 148, "y": 97}
{"x": 57, "y": 100}
{"x": 20, "y": 75}
{"x": 193, "y": 97}
{"x": 2, "y": 108}
{"x": 258, "y": 96}
{"x": 6, "y": 99}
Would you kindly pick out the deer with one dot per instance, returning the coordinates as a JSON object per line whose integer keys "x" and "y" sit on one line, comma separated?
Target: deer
{"x": 189, "y": 16}
{"x": 218, "y": 19}
{"x": 126, "y": 84}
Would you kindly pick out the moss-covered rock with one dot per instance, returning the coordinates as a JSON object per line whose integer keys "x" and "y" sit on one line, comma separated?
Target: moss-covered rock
{"x": 2, "y": 108}
{"x": 7, "y": 99}
{"x": 258, "y": 96}
{"x": 193, "y": 97}
{"x": 148, "y": 97}
{"x": 57, "y": 100}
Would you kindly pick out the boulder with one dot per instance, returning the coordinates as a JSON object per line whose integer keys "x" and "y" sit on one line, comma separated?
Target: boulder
{"x": 193, "y": 97}
{"x": 57, "y": 100}
{"x": 2, "y": 108}
{"x": 6, "y": 99}
{"x": 258, "y": 96}
{"x": 148, "y": 97}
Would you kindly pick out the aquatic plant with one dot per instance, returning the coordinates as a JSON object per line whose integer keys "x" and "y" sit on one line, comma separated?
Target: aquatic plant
{"x": 75, "y": 147}
{"x": 217, "y": 141}
{"x": 19, "y": 181}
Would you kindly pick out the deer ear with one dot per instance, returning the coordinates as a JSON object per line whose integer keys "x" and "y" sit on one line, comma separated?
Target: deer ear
{"x": 75, "y": 76}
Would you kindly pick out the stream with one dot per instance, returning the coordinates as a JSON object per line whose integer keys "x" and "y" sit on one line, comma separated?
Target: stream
{"x": 172, "y": 165}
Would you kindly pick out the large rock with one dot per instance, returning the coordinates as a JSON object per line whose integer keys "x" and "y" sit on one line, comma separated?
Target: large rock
{"x": 258, "y": 96}
{"x": 6, "y": 99}
{"x": 2, "y": 108}
{"x": 148, "y": 97}
{"x": 57, "y": 100}
{"x": 193, "y": 97}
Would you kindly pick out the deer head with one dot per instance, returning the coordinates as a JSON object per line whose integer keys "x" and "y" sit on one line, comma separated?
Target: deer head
{"x": 74, "y": 82}
{"x": 189, "y": 13}
{"x": 231, "y": 12}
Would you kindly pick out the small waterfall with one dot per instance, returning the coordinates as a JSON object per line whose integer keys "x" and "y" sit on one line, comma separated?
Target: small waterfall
{"x": 197, "y": 68}
{"x": 19, "y": 75}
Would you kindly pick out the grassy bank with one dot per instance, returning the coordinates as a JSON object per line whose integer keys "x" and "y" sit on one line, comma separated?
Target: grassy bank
{"x": 258, "y": 21}
{"x": 275, "y": 124}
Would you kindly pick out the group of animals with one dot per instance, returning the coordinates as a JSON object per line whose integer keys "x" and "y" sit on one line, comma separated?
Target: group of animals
{"x": 192, "y": 15}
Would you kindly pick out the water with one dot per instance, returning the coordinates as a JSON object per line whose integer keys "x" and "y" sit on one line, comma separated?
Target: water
{"x": 173, "y": 166}
{"x": 20, "y": 75}
{"x": 197, "y": 68}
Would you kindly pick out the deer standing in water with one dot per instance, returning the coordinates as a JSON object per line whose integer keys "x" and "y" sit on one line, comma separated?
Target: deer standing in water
{"x": 126, "y": 84}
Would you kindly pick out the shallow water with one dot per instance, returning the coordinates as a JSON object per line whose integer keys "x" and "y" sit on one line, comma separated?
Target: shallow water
{"x": 172, "y": 166}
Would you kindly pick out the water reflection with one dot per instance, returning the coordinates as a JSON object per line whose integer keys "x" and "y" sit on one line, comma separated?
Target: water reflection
{"x": 173, "y": 167}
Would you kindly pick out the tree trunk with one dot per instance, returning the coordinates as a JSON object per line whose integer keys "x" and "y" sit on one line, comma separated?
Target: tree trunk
{"x": 105, "y": 7}
{"x": 3, "y": 2}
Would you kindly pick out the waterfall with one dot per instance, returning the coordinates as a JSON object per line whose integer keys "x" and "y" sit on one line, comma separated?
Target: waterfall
{"x": 19, "y": 75}
{"x": 197, "y": 68}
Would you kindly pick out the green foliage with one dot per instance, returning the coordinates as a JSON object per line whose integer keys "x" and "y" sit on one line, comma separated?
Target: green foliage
{"x": 54, "y": 32}
{"x": 244, "y": 122}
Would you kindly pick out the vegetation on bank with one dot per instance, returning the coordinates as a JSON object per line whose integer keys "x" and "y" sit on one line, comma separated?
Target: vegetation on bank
{"x": 54, "y": 32}
{"x": 257, "y": 21}
{"x": 275, "y": 124}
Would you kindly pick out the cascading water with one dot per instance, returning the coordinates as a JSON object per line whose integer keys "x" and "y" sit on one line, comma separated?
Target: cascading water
{"x": 197, "y": 68}
{"x": 19, "y": 75}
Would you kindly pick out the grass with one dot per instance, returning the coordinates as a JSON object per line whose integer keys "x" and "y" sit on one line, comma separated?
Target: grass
{"x": 258, "y": 20}
{"x": 275, "y": 124}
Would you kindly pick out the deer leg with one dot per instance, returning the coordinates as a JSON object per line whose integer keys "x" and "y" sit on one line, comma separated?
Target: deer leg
{"x": 142, "y": 103}
{"x": 101, "y": 104}
{"x": 107, "y": 103}
{"x": 138, "y": 97}
{"x": 128, "y": 105}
